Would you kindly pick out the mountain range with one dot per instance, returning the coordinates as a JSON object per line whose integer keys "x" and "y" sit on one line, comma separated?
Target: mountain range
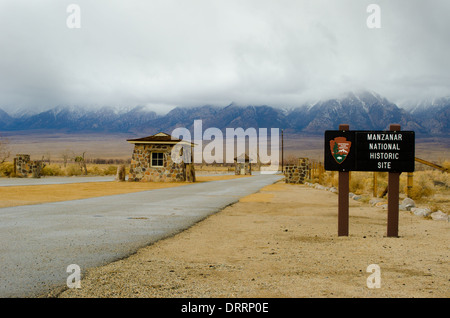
{"x": 362, "y": 111}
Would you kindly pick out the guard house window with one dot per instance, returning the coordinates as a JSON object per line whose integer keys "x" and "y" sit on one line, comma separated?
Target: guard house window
{"x": 157, "y": 159}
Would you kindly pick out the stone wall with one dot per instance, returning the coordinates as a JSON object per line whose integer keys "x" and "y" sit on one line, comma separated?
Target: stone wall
{"x": 142, "y": 170}
{"x": 24, "y": 167}
{"x": 297, "y": 173}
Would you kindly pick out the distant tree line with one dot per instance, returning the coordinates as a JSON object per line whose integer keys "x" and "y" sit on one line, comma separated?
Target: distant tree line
{"x": 108, "y": 161}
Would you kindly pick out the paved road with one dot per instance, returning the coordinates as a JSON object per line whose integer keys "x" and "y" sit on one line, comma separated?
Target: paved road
{"x": 11, "y": 182}
{"x": 38, "y": 242}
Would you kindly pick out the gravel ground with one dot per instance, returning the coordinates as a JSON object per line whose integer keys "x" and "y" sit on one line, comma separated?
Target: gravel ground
{"x": 282, "y": 242}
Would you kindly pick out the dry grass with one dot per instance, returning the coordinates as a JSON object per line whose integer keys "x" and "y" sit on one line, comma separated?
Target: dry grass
{"x": 430, "y": 187}
{"x": 25, "y": 195}
{"x": 57, "y": 169}
{"x": 77, "y": 170}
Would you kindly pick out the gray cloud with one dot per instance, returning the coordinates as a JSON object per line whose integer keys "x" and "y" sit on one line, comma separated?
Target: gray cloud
{"x": 168, "y": 53}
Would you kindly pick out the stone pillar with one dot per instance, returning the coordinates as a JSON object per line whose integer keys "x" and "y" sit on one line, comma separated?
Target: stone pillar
{"x": 297, "y": 173}
{"x": 120, "y": 175}
{"x": 24, "y": 167}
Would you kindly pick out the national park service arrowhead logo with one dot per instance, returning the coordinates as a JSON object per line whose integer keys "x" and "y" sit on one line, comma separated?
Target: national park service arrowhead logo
{"x": 340, "y": 148}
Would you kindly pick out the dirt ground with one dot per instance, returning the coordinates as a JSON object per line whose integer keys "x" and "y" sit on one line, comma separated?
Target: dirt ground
{"x": 282, "y": 242}
{"x": 36, "y": 194}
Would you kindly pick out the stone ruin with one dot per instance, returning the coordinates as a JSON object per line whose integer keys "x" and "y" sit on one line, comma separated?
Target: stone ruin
{"x": 24, "y": 167}
{"x": 297, "y": 173}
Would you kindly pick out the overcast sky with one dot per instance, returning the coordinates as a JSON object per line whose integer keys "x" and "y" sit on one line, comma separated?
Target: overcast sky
{"x": 170, "y": 53}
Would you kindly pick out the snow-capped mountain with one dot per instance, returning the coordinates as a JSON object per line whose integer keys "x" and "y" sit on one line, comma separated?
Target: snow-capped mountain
{"x": 4, "y": 118}
{"x": 433, "y": 115}
{"x": 362, "y": 111}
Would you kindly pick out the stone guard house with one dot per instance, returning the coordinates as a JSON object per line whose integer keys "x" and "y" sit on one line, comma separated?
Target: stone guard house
{"x": 242, "y": 165}
{"x": 152, "y": 161}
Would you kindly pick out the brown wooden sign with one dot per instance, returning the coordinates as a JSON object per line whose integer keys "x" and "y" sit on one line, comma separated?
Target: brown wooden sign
{"x": 392, "y": 151}
{"x": 388, "y": 151}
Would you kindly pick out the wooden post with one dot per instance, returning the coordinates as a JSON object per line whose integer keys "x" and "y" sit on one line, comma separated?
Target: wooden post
{"x": 375, "y": 185}
{"x": 409, "y": 184}
{"x": 282, "y": 151}
{"x": 323, "y": 171}
{"x": 349, "y": 178}
{"x": 393, "y": 196}
{"x": 315, "y": 170}
{"x": 320, "y": 172}
{"x": 343, "y": 196}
